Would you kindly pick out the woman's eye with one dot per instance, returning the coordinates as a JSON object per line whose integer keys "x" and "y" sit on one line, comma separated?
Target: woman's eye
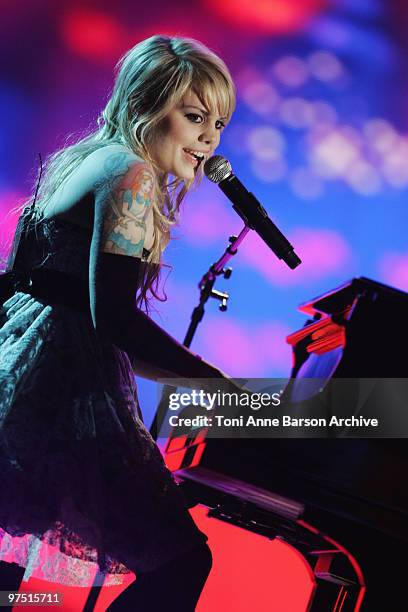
{"x": 194, "y": 118}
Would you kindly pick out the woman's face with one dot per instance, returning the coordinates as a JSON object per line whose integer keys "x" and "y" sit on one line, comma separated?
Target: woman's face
{"x": 146, "y": 184}
{"x": 189, "y": 135}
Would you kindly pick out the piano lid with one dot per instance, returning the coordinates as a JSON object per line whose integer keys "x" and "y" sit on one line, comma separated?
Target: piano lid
{"x": 340, "y": 299}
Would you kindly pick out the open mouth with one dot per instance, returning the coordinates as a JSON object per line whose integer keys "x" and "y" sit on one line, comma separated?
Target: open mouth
{"x": 196, "y": 157}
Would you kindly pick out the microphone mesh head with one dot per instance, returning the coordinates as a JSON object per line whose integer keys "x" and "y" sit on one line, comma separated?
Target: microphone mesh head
{"x": 217, "y": 168}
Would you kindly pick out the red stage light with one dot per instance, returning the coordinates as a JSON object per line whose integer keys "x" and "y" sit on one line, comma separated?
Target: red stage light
{"x": 93, "y": 34}
{"x": 267, "y": 15}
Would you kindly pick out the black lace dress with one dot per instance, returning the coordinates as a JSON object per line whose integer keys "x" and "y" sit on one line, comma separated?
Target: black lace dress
{"x": 83, "y": 486}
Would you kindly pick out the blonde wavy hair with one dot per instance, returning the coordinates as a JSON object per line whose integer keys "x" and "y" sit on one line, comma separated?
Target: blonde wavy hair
{"x": 151, "y": 78}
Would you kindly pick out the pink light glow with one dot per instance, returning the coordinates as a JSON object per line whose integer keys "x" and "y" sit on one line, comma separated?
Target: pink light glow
{"x": 94, "y": 34}
{"x": 207, "y": 220}
{"x": 394, "y": 270}
{"x": 8, "y": 201}
{"x": 323, "y": 252}
{"x": 271, "y": 16}
{"x": 246, "y": 350}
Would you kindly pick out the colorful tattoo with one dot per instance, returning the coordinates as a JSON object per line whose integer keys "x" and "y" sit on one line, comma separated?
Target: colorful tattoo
{"x": 130, "y": 192}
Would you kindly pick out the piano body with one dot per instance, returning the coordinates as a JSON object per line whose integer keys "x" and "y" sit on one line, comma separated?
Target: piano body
{"x": 342, "y": 502}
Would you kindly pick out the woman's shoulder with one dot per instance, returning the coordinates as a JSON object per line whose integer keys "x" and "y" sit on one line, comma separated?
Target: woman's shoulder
{"x": 107, "y": 157}
{"x": 113, "y": 149}
{"x": 111, "y": 162}
{"x": 98, "y": 170}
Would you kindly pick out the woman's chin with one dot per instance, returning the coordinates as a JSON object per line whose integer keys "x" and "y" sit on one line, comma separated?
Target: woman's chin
{"x": 185, "y": 174}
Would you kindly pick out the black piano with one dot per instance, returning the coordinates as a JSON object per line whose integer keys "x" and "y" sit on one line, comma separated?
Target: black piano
{"x": 342, "y": 502}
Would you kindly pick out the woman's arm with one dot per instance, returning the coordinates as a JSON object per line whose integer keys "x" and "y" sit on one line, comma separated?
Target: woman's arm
{"x": 127, "y": 211}
{"x": 114, "y": 280}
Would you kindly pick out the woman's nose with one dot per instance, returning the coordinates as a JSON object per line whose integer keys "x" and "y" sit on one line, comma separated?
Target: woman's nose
{"x": 209, "y": 135}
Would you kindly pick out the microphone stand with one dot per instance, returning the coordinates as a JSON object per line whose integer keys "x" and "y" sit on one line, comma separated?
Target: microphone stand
{"x": 206, "y": 286}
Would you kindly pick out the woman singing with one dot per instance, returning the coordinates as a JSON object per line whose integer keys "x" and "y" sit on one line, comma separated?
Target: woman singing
{"x": 79, "y": 473}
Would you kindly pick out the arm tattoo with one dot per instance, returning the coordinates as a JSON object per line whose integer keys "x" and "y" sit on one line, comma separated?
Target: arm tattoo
{"x": 129, "y": 193}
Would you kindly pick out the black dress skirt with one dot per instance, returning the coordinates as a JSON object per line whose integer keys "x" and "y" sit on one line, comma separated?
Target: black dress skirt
{"x": 83, "y": 486}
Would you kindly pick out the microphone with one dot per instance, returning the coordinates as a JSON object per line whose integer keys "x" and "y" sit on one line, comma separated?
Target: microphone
{"x": 219, "y": 170}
